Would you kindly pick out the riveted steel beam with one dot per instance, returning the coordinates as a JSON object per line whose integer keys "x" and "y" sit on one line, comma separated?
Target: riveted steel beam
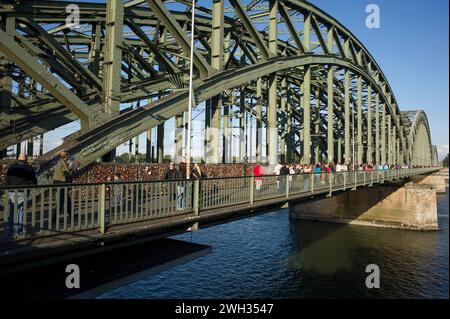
{"x": 89, "y": 116}
{"x": 174, "y": 28}
{"x": 250, "y": 28}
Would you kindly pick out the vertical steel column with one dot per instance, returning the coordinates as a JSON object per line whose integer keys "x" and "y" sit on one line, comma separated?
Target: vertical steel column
{"x": 289, "y": 137}
{"x": 377, "y": 128}
{"x": 383, "y": 133}
{"x": 206, "y": 140}
{"x": 148, "y": 150}
{"x": 283, "y": 101}
{"x": 348, "y": 150}
{"x": 214, "y": 134}
{"x": 394, "y": 145}
{"x": 9, "y": 25}
{"x": 136, "y": 148}
{"x": 242, "y": 145}
{"x": 41, "y": 145}
{"x": 272, "y": 120}
{"x": 96, "y": 47}
{"x": 259, "y": 129}
{"x": 389, "y": 143}
{"x": 226, "y": 133}
{"x": 273, "y": 86}
{"x": 330, "y": 107}
{"x": 317, "y": 126}
{"x": 160, "y": 143}
{"x": 217, "y": 62}
{"x": 178, "y": 137}
{"x": 113, "y": 57}
{"x": 30, "y": 146}
{"x": 369, "y": 157}
{"x": 360, "y": 121}
{"x": 226, "y": 106}
{"x": 307, "y": 116}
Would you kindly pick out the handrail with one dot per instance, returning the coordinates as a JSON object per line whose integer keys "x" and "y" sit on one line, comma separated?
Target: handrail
{"x": 37, "y": 211}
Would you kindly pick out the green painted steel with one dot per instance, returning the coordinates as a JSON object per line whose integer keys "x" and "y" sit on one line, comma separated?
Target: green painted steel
{"x": 144, "y": 46}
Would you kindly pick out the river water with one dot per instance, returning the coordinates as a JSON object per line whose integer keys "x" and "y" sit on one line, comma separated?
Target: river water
{"x": 274, "y": 256}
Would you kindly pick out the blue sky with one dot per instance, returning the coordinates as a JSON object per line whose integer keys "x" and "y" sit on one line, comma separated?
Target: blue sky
{"x": 411, "y": 47}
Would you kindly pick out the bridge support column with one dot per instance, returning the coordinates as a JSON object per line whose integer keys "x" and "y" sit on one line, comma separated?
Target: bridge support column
{"x": 283, "y": 102}
{"x": 148, "y": 152}
{"x": 330, "y": 107}
{"x": 272, "y": 119}
{"x": 405, "y": 207}
{"x": 383, "y": 134}
{"x": 348, "y": 152}
{"x": 369, "y": 157}
{"x": 179, "y": 137}
{"x": 377, "y": 129}
{"x": 8, "y": 25}
{"x": 259, "y": 129}
{"x": 307, "y": 116}
{"x": 360, "y": 122}
{"x": 389, "y": 138}
{"x": 160, "y": 143}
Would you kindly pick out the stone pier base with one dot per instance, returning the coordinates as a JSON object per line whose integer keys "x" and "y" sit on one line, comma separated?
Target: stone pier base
{"x": 407, "y": 207}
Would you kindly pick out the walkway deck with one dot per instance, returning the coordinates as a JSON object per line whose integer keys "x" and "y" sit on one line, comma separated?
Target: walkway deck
{"x": 105, "y": 214}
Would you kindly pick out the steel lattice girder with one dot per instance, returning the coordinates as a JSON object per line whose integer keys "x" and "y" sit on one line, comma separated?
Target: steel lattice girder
{"x": 252, "y": 41}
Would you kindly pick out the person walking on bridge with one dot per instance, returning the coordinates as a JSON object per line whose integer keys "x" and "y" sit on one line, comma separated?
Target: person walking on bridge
{"x": 171, "y": 174}
{"x": 181, "y": 185}
{"x": 63, "y": 175}
{"x": 257, "y": 172}
{"x": 20, "y": 174}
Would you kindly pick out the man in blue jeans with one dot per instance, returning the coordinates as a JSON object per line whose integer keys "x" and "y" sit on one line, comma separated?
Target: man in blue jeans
{"x": 20, "y": 174}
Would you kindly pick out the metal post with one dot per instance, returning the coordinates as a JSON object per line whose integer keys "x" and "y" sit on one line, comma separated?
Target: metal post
{"x": 359, "y": 115}
{"x": 330, "y": 176}
{"x": 101, "y": 208}
{"x": 252, "y": 190}
{"x": 196, "y": 197}
{"x": 347, "y": 143}
{"x": 330, "y": 132}
{"x": 307, "y": 116}
{"x": 288, "y": 184}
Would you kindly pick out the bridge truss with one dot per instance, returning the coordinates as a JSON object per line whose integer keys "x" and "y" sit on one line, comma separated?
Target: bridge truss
{"x": 312, "y": 89}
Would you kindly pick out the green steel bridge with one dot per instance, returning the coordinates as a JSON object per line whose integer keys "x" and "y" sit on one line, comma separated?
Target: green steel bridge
{"x": 284, "y": 69}
{"x": 299, "y": 84}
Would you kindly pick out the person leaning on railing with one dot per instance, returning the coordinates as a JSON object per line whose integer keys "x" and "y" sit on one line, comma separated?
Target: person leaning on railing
{"x": 18, "y": 175}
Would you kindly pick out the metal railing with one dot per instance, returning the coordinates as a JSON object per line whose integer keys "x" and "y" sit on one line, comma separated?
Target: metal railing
{"x": 36, "y": 211}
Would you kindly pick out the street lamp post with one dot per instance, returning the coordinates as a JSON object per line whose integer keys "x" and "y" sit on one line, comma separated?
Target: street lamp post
{"x": 191, "y": 95}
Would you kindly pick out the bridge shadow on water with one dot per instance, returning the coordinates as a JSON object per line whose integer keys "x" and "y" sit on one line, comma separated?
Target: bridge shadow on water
{"x": 331, "y": 259}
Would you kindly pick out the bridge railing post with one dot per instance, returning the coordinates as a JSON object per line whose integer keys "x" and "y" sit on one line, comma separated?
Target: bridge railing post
{"x": 288, "y": 184}
{"x": 312, "y": 176}
{"x": 101, "y": 208}
{"x": 330, "y": 176}
{"x": 345, "y": 179}
{"x": 196, "y": 197}
{"x": 252, "y": 190}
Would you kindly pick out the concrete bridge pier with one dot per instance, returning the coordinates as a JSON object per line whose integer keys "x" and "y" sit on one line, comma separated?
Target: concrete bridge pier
{"x": 403, "y": 206}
